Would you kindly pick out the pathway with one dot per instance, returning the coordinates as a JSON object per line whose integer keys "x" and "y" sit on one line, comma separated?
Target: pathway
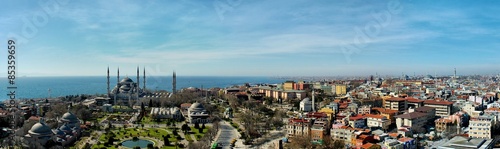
{"x": 226, "y": 134}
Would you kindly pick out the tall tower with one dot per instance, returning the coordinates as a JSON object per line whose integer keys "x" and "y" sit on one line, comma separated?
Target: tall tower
{"x": 144, "y": 79}
{"x": 313, "y": 106}
{"x": 138, "y": 84}
{"x": 108, "y": 81}
{"x": 174, "y": 83}
{"x": 455, "y": 75}
{"x": 117, "y": 81}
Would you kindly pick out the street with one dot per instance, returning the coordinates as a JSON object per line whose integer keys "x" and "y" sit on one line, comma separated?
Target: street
{"x": 226, "y": 134}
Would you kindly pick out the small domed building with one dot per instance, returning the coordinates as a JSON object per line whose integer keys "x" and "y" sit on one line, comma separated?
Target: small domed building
{"x": 198, "y": 114}
{"x": 69, "y": 129}
{"x": 40, "y": 133}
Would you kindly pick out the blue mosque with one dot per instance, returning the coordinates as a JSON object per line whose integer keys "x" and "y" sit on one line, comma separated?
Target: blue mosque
{"x": 126, "y": 90}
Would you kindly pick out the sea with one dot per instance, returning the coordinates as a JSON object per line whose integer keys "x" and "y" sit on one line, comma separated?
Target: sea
{"x": 45, "y": 87}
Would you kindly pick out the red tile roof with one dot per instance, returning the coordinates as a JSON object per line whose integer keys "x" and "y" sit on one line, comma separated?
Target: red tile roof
{"x": 442, "y": 120}
{"x": 405, "y": 139}
{"x": 374, "y": 116}
{"x": 414, "y": 100}
{"x": 357, "y": 117}
{"x": 363, "y": 136}
{"x": 367, "y": 146}
{"x": 424, "y": 109}
{"x": 394, "y": 135}
{"x": 438, "y": 102}
{"x": 317, "y": 115}
{"x": 412, "y": 115}
{"x": 385, "y": 111}
{"x": 395, "y": 99}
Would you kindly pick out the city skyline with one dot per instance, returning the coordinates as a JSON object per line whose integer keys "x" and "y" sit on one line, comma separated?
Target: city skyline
{"x": 252, "y": 38}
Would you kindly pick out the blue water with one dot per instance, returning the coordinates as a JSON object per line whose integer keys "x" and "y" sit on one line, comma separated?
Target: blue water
{"x": 37, "y": 87}
{"x": 140, "y": 143}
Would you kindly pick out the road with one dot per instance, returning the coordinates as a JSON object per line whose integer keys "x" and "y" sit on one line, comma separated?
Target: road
{"x": 226, "y": 134}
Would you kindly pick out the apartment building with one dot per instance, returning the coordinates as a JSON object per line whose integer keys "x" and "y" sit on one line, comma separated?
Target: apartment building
{"x": 387, "y": 113}
{"x": 413, "y": 120}
{"x": 414, "y": 103}
{"x": 377, "y": 121}
{"x": 297, "y": 127}
{"x": 443, "y": 124}
{"x": 395, "y": 103}
{"x": 443, "y": 107}
{"x": 480, "y": 127}
{"x": 319, "y": 130}
{"x": 430, "y": 111}
{"x": 365, "y": 109}
{"x": 345, "y": 133}
{"x": 340, "y": 89}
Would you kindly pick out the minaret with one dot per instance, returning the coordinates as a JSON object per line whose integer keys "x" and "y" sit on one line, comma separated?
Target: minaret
{"x": 138, "y": 84}
{"x": 144, "y": 79}
{"x": 313, "y": 109}
{"x": 138, "y": 81}
{"x": 174, "y": 83}
{"x": 118, "y": 76}
{"x": 108, "y": 81}
{"x": 118, "y": 88}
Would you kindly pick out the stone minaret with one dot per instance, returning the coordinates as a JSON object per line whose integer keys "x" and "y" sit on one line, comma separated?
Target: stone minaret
{"x": 138, "y": 85}
{"x": 174, "y": 83}
{"x": 118, "y": 88}
{"x": 144, "y": 79}
{"x": 108, "y": 82}
{"x": 313, "y": 106}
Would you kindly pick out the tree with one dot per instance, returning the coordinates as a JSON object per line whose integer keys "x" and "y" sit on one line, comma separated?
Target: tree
{"x": 175, "y": 133}
{"x": 83, "y": 112}
{"x": 143, "y": 109}
{"x": 185, "y": 128}
{"x": 200, "y": 130}
{"x": 375, "y": 146}
{"x": 111, "y": 139}
{"x": 150, "y": 146}
{"x": 203, "y": 126}
{"x": 196, "y": 125}
{"x": 330, "y": 143}
{"x": 165, "y": 140}
{"x": 302, "y": 142}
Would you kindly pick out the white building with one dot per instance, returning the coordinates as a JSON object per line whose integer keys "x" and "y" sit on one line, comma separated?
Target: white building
{"x": 480, "y": 127}
{"x": 197, "y": 114}
{"x": 377, "y": 121}
{"x": 413, "y": 120}
{"x": 166, "y": 113}
{"x": 305, "y": 105}
{"x": 470, "y": 108}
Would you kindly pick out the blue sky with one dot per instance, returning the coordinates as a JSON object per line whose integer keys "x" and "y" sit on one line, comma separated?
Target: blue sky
{"x": 252, "y": 38}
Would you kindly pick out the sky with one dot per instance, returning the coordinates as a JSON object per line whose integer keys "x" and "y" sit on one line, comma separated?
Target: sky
{"x": 251, "y": 37}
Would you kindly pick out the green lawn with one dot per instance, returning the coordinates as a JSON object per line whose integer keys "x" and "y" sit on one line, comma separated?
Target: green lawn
{"x": 196, "y": 133}
{"x": 129, "y": 133}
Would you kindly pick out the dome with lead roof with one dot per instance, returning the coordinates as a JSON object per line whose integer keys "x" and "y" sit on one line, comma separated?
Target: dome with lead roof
{"x": 126, "y": 80}
{"x": 195, "y": 107}
{"x": 69, "y": 117}
{"x": 40, "y": 129}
